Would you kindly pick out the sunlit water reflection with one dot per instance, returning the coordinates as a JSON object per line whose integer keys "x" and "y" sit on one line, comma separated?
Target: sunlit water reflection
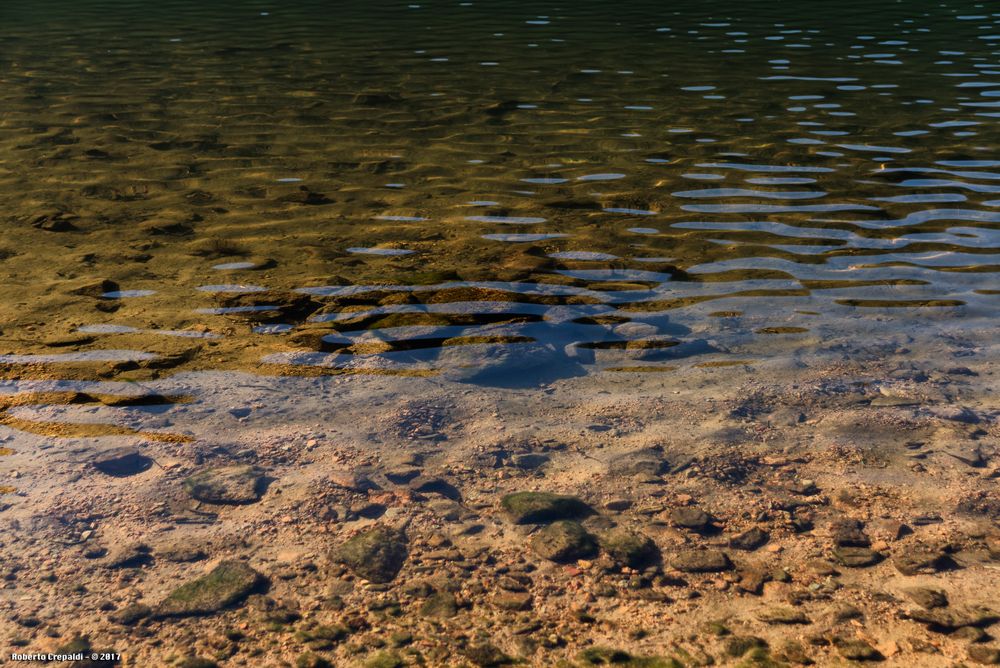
{"x": 435, "y": 182}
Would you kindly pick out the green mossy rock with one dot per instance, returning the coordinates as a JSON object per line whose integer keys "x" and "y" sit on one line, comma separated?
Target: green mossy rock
{"x": 564, "y": 541}
{"x": 384, "y": 660}
{"x": 629, "y": 548}
{"x": 737, "y": 646}
{"x": 487, "y": 656}
{"x": 310, "y": 660}
{"x": 441, "y": 605}
{"x": 229, "y": 583}
{"x": 377, "y": 554}
{"x": 542, "y": 507}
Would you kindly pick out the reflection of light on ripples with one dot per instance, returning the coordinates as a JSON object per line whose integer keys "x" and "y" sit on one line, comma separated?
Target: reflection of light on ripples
{"x": 433, "y": 136}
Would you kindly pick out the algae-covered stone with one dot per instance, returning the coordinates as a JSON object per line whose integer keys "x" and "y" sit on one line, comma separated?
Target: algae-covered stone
{"x": 737, "y": 646}
{"x": 377, "y": 554}
{"x": 227, "y": 584}
{"x": 564, "y": 541}
{"x": 441, "y": 605}
{"x": 385, "y": 660}
{"x": 856, "y": 557}
{"x": 691, "y": 518}
{"x": 311, "y": 660}
{"x": 130, "y": 614}
{"x": 701, "y": 561}
{"x": 857, "y": 650}
{"x": 598, "y": 656}
{"x": 487, "y": 656}
{"x": 780, "y": 614}
{"x": 629, "y": 548}
{"x": 542, "y": 507}
{"x": 227, "y": 485}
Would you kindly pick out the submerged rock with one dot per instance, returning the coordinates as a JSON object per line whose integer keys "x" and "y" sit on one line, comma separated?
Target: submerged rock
{"x": 268, "y": 306}
{"x": 691, "y": 518}
{"x": 564, "y": 541}
{"x": 849, "y": 533}
{"x": 782, "y": 615}
{"x": 130, "y": 614}
{"x": 181, "y": 552}
{"x": 749, "y": 540}
{"x": 629, "y": 548}
{"x": 955, "y": 618}
{"x": 227, "y": 584}
{"x": 441, "y": 605}
{"x": 492, "y": 362}
{"x": 701, "y": 561}
{"x": 487, "y": 656}
{"x": 377, "y": 554}
{"x": 129, "y": 556}
{"x": 542, "y": 507}
{"x": 927, "y": 597}
{"x": 857, "y": 650}
{"x": 921, "y": 559}
{"x": 644, "y": 462}
{"x": 384, "y": 660}
{"x": 227, "y": 485}
{"x": 856, "y": 557}
{"x": 989, "y": 656}
{"x": 737, "y": 646}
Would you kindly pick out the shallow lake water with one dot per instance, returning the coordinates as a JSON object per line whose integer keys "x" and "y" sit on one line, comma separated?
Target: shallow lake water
{"x": 435, "y": 175}
{"x": 233, "y": 222}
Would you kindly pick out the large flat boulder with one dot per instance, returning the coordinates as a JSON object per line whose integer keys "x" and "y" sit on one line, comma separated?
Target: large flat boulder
{"x": 377, "y": 554}
{"x": 226, "y": 585}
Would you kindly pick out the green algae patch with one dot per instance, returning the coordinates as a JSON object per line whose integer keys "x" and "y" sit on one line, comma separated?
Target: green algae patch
{"x": 229, "y": 583}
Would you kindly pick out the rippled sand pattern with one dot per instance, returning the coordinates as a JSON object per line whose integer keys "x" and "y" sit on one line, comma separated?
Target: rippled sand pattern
{"x": 223, "y": 185}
